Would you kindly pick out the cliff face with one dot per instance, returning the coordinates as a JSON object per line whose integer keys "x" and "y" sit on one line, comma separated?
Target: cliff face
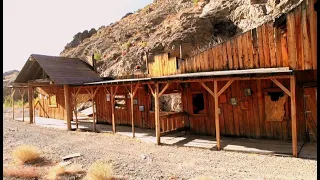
{"x": 8, "y": 78}
{"x": 164, "y": 25}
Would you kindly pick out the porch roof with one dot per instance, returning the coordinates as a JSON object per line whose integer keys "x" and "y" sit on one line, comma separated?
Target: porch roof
{"x": 197, "y": 75}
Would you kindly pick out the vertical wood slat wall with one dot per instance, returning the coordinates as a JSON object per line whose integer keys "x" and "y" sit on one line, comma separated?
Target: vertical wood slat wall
{"x": 263, "y": 47}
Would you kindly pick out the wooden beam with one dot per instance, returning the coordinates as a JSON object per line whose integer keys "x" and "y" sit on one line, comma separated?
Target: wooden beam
{"x": 207, "y": 88}
{"x": 22, "y": 92}
{"x": 67, "y": 105}
{"x": 294, "y": 117}
{"x": 165, "y": 88}
{"x": 131, "y": 112}
{"x": 225, "y": 87}
{"x": 157, "y": 112}
{"x": 282, "y": 87}
{"x": 152, "y": 92}
{"x": 30, "y": 99}
{"x": 112, "y": 110}
{"x": 216, "y": 106}
{"x": 12, "y": 101}
{"x": 107, "y": 90}
{"x": 76, "y": 94}
{"x": 135, "y": 89}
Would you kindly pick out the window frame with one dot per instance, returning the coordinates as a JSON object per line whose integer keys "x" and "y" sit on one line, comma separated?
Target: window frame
{"x": 205, "y": 99}
{"x": 49, "y": 101}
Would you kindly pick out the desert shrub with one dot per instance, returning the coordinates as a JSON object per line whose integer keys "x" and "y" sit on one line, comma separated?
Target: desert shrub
{"x": 195, "y": 2}
{"x": 25, "y": 154}
{"x": 100, "y": 171}
{"x": 97, "y": 56}
{"x": 7, "y": 102}
{"x": 143, "y": 44}
{"x": 126, "y": 45}
{"x": 21, "y": 172}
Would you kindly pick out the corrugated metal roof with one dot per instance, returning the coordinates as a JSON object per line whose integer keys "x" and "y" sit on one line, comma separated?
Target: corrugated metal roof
{"x": 61, "y": 70}
{"x": 201, "y": 74}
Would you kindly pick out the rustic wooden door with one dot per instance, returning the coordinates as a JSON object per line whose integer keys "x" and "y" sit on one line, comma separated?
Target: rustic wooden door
{"x": 310, "y": 110}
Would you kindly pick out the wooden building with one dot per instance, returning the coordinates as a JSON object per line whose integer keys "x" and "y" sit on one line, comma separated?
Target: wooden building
{"x": 260, "y": 84}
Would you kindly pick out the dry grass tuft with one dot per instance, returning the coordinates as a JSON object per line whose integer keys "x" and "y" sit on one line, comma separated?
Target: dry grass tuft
{"x": 59, "y": 170}
{"x": 25, "y": 154}
{"x": 55, "y": 171}
{"x": 100, "y": 171}
{"x": 21, "y": 172}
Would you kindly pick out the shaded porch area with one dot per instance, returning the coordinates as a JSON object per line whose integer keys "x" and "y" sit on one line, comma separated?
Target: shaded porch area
{"x": 186, "y": 139}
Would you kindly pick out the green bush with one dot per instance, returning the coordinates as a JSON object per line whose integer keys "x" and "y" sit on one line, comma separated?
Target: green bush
{"x": 8, "y": 102}
{"x": 126, "y": 45}
{"x": 97, "y": 56}
{"x": 195, "y": 2}
{"x": 143, "y": 44}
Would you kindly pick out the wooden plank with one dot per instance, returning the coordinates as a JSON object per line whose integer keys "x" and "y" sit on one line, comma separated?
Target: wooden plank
{"x": 281, "y": 86}
{"x": 240, "y": 51}
{"x": 216, "y": 106}
{"x": 207, "y": 88}
{"x": 228, "y": 114}
{"x": 313, "y": 32}
{"x": 206, "y": 60}
{"x": 236, "y": 114}
{"x": 225, "y": 87}
{"x": 30, "y": 99}
{"x": 234, "y": 47}
{"x": 299, "y": 38}
{"x": 255, "y": 45}
{"x": 210, "y": 59}
{"x": 292, "y": 49}
{"x": 305, "y": 25}
{"x": 260, "y": 47}
{"x": 294, "y": 117}
{"x": 278, "y": 47}
{"x": 260, "y": 98}
{"x": 266, "y": 48}
{"x": 255, "y": 109}
{"x": 244, "y": 40}
{"x": 224, "y": 57}
{"x": 272, "y": 45}
{"x": 229, "y": 55}
{"x": 221, "y": 115}
{"x": 284, "y": 50}
{"x": 250, "y": 50}
{"x": 67, "y": 106}
{"x": 157, "y": 113}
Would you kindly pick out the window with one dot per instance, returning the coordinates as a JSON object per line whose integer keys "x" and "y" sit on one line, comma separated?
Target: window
{"x": 120, "y": 102}
{"x": 198, "y": 103}
{"x": 52, "y": 100}
{"x": 168, "y": 103}
{"x": 276, "y": 105}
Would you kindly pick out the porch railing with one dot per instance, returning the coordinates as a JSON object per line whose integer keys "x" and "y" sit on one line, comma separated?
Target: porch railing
{"x": 172, "y": 122}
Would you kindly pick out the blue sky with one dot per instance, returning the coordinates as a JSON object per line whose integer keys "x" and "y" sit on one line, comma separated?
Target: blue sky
{"x": 45, "y": 27}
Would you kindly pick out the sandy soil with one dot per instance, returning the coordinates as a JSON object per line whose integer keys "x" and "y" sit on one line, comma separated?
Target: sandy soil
{"x": 132, "y": 159}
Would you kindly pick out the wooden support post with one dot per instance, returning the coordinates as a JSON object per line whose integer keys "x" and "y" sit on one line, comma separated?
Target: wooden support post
{"x": 113, "y": 93}
{"x": 67, "y": 106}
{"x": 75, "y": 111}
{"x": 22, "y": 99}
{"x": 157, "y": 112}
{"x": 93, "y": 115}
{"x": 12, "y": 101}
{"x": 132, "y": 119}
{"x": 30, "y": 99}
{"x": 216, "y": 106}
{"x": 294, "y": 116}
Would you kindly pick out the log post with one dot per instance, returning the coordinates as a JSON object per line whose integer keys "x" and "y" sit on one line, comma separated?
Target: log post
{"x": 216, "y": 106}
{"x": 30, "y": 99}
{"x": 76, "y": 112}
{"x": 293, "y": 116}
{"x": 157, "y": 112}
{"x": 113, "y": 93}
{"x": 67, "y": 106}
{"x": 22, "y": 99}
{"x": 132, "y": 119}
{"x": 12, "y": 102}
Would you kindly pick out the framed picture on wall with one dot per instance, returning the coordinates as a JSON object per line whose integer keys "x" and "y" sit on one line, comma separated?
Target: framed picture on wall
{"x": 135, "y": 101}
{"x": 108, "y": 97}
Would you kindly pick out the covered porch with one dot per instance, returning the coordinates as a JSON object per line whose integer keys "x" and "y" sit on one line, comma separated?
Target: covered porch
{"x": 186, "y": 139}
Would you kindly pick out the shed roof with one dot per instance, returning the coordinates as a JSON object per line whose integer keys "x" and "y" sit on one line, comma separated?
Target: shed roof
{"x": 197, "y": 75}
{"x": 61, "y": 70}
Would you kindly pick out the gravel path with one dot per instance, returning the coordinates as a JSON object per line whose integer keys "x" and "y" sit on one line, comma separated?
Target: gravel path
{"x": 133, "y": 159}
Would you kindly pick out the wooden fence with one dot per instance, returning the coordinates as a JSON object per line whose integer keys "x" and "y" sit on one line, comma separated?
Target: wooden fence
{"x": 172, "y": 122}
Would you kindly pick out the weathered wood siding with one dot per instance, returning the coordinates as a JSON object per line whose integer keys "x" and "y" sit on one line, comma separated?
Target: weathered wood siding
{"x": 52, "y": 112}
{"x": 292, "y": 45}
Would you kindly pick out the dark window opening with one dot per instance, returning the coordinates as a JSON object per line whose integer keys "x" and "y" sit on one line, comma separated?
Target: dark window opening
{"x": 275, "y": 95}
{"x": 198, "y": 103}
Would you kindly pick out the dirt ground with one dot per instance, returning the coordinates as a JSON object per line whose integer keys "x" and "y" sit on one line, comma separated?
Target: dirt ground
{"x": 132, "y": 159}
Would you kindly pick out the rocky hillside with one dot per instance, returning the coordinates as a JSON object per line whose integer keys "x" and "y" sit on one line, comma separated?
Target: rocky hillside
{"x": 164, "y": 25}
{"x": 8, "y": 78}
